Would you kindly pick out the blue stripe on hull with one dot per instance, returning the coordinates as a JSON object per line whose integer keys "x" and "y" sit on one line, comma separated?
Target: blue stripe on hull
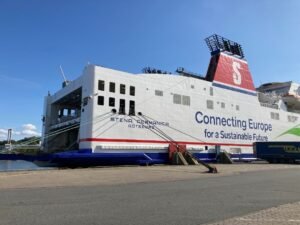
{"x": 86, "y": 158}
{"x": 234, "y": 89}
{"x": 98, "y": 159}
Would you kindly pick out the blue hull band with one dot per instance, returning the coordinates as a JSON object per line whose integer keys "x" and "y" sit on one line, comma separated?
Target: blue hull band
{"x": 138, "y": 158}
{"x": 85, "y": 157}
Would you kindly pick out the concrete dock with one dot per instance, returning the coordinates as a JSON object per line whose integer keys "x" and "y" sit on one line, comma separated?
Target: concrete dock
{"x": 239, "y": 194}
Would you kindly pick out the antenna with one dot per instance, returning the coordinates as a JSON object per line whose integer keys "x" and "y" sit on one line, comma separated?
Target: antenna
{"x": 62, "y": 73}
{"x": 66, "y": 82}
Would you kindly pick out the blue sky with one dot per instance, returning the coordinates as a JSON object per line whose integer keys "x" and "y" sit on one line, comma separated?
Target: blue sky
{"x": 37, "y": 36}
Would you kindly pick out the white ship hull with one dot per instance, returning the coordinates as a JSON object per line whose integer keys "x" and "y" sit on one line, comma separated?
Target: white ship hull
{"x": 201, "y": 114}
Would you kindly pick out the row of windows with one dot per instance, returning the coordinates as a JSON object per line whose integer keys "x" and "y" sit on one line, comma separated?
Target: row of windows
{"x": 211, "y": 89}
{"x": 210, "y": 105}
{"x": 122, "y": 104}
{"x": 292, "y": 118}
{"x": 160, "y": 93}
{"x": 181, "y": 99}
{"x": 112, "y": 88}
{"x": 274, "y": 116}
{"x": 177, "y": 99}
{"x": 185, "y": 100}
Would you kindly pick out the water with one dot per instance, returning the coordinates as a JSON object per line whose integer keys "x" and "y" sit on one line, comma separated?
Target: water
{"x": 17, "y": 165}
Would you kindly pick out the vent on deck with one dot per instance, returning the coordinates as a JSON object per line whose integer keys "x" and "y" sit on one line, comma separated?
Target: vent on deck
{"x": 153, "y": 70}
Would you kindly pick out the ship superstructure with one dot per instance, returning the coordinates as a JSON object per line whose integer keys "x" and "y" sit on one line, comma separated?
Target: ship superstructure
{"x": 287, "y": 92}
{"x": 109, "y": 115}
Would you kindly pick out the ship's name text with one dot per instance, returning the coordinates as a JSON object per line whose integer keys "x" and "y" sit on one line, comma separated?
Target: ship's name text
{"x": 139, "y": 123}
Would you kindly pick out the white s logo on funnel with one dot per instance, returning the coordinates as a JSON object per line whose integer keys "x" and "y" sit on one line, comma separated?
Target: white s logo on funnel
{"x": 237, "y": 78}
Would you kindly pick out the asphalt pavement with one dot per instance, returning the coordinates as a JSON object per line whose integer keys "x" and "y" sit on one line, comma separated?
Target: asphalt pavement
{"x": 184, "y": 202}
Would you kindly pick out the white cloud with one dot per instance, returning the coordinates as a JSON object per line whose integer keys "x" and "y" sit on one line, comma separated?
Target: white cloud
{"x": 29, "y": 130}
{"x": 29, "y": 126}
{"x": 30, "y": 133}
{"x": 3, "y": 134}
{"x": 26, "y": 130}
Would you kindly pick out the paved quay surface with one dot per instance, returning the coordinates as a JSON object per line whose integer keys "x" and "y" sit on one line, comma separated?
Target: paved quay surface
{"x": 288, "y": 214}
{"x": 239, "y": 194}
{"x": 123, "y": 175}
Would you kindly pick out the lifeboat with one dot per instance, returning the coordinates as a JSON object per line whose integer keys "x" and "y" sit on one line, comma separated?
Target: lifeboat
{"x": 292, "y": 101}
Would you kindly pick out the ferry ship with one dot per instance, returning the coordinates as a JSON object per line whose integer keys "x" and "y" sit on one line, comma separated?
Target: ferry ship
{"x": 107, "y": 116}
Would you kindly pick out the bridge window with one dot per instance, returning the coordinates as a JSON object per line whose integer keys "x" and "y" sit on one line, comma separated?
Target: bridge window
{"x": 111, "y": 102}
{"x": 131, "y": 108}
{"x": 112, "y": 87}
{"x": 223, "y": 105}
{"x": 101, "y": 85}
{"x": 122, "y": 89}
{"x": 237, "y": 107}
{"x": 132, "y": 90}
{"x": 100, "y": 100}
{"x": 122, "y": 107}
